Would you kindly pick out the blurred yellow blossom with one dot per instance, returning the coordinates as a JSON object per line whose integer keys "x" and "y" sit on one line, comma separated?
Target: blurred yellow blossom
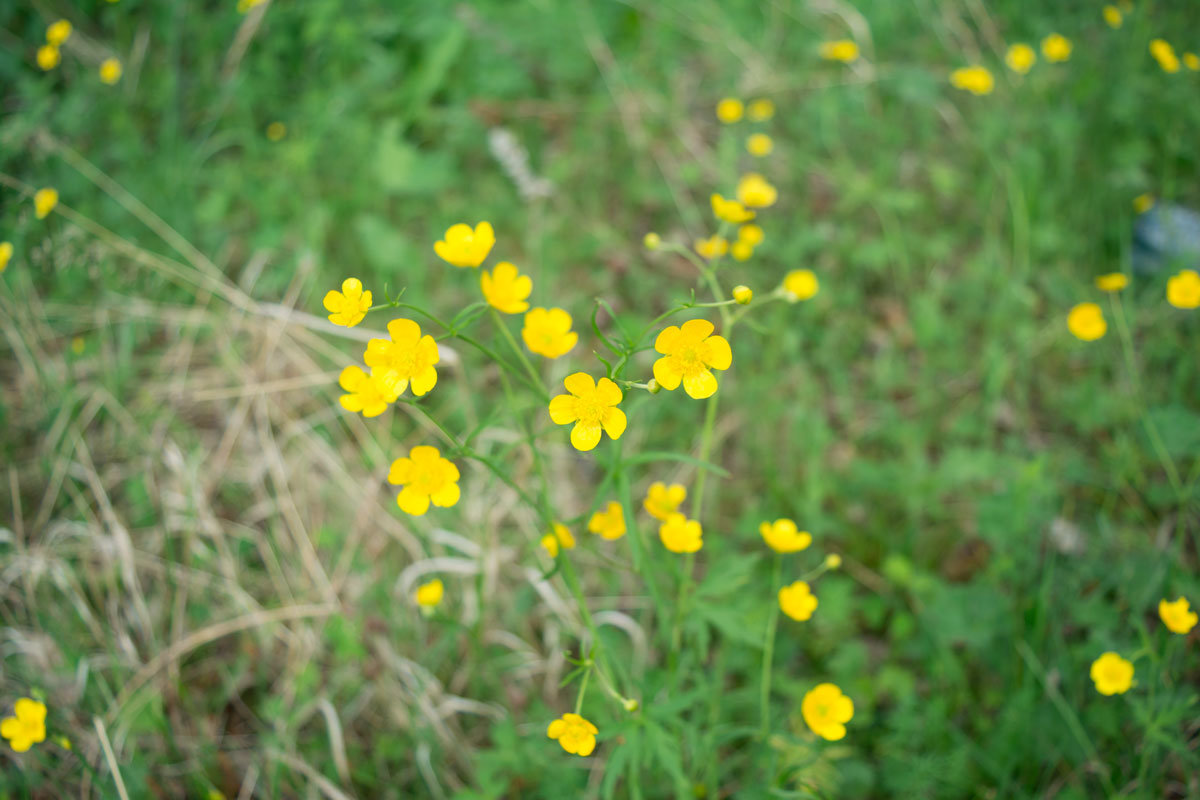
{"x": 1164, "y": 54}
{"x": 689, "y": 354}
{"x": 58, "y": 33}
{"x": 1191, "y": 61}
{"x": 976, "y": 80}
{"x": 464, "y": 246}
{"x": 44, "y": 202}
{"x": 844, "y": 50}
{"x": 592, "y": 406}
{"x": 741, "y": 250}
{"x": 826, "y": 711}
{"x": 369, "y": 394}
{"x": 730, "y": 110}
{"x": 505, "y": 288}
{"x": 680, "y": 534}
{"x": 742, "y": 294}
{"x": 833, "y": 561}
{"x": 78, "y": 345}
{"x": 28, "y": 727}
{"x": 1112, "y": 282}
{"x": 798, "y": 601}
{"x": 1112, "y": 674}
{"x": 548, "y": 333}
{"x": 1086, "y": 322}
{"x": 760, "y": 110}
{"x": 751, "y": 234}
{"x": 1183, "y": 289}
{"x": 560, "y": 536}
{"x": 576, "y": 735}
{"x": 729, "y": 210}
{"x": 610, "y": 523}
{"x": 429, "y": 595}
{"x": 48, "y": 57}
{"x": 408, "y": 358}
{"x": 1056, "y": 48}
{"x": 782, "y": 536}
{"x": 276, "y": 131}
{"x": 1020, "y": 58}
{"x": 662, "y": 501}
{"x": 1113, "y": 16}
{"x": 349, "y": 306}
{"x": 1177, "y": 616}
{"x": 652, "y": 241}
{"x": 110, "y": 71}
{"x": 759, "y": 144}
{"x": 800, "y": 284}
{"x": 754, "y": 191}
{"x": 1143, "y": 203}
{"x": 426, "y": 478}
{"x": 713, "y": 247}
{"x": 6, "y": 251}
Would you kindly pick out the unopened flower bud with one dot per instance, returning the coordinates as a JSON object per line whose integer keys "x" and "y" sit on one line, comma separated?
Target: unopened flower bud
{"x": 630, "y": 704}
{"x": 743, "y": 295}
{"x": 652, "y": 387}
{"x": 833, "y": 561}
{"x": 652, "y": 241}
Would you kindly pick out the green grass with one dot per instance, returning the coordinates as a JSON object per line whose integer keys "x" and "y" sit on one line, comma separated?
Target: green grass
{"x": 199, "y": 547}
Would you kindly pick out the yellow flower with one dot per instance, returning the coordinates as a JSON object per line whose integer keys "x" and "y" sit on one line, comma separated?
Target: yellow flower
{"x": 347, "y": 307}
{"x": 1112, "y": 282}
{"x": 783, "y": 537}
{"x": 1177, "y": 616}
{"x": 680, "y": 534}
{"x": 48, "y": 57}
{"x": 548, "y": 332}
{"x": 713, "y": 247}
{"x": 741, "y": 251}
{"x": 78, "y": 345}
{"x": 407, "y": 358}
{"x": 742, "y": 294}
{"x": 1143, "y": 203}
{"x": 1086, "y": 322}
{"x": 1112, "y": 674}
{"x": 28, "y": 727}
{"x": 730, "y": 110}
{"x": 6, "y": 251}
{"x": 559, "y": 536}
{"x": 1164, "y": 54}
{"x": 464, "y": 247}
{"x": 110, "y": 71}
{"x": 976, "y": 80}
{"x": 690, "y": 353}
{"x": 610, "y": 523}
{"x": 760, "y": 110}
{"x": 576, "y": 735}
{"x": 1020, "y": 58}
{"x": 44, "y": 202}
{"x": 426, "y": 478}
{"x": 592, "y": 406}
{"x": 800, "y": 284}
{"x": 1112, "y": 15}
{"x": 662, "y": 501}
{"x": 370, "y": 394}
{"x": 276, "y": 131}
{"x": 798, "y": 601}
{"x": 505, "y": 288}
{"x": 730, "y": 210}
{"x": 1183, "y": 290}
{"x": 1056, "y": 48}
{"x": 826, "y": 711}
{"x": 58, "y": 33}
{"x": 759, "y": 144}
{"x": 751, "y": 234}
{"x": 844, "y": 50}
{"x": 652, "y": 241}
{"x": 754, "y": 191}
{"x": 1191, "y": 61}
{"x": 429, "y": 595}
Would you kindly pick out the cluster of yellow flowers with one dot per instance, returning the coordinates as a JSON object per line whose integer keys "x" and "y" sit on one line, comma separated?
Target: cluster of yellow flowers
{"x": 1086, "y": 320}
{"x": 49, "y": 55}
{"x": 1113, "y": 674}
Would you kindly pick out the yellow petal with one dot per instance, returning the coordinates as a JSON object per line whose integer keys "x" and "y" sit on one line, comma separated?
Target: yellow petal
{"x": 614, "y": 422}
{"x": 579, "y": 384}
{"x": 585, "y": 435}
{"x": 412, "y": 502}
{"x": 562, "y": 409}
{"x": 719, "y": 355}
{"x": 447, "y": 496}
{"x": 699, "y": 385}
{"x": 667, "y": 373}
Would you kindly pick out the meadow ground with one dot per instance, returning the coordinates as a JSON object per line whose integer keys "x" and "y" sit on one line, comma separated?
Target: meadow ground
{"x": 205, "y": 575}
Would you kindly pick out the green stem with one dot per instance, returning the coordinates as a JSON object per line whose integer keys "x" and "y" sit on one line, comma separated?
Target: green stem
{"x": 512, "y": 343}
{"x": 583, "y": 687}
{"x": 769, "y": 651}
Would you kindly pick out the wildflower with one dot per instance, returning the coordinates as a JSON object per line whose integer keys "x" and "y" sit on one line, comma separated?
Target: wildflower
{"x": 653, "y": 387}
{"x": 576, "y": 735}
{"x": 44, "y": 202}
{"x": 743, "y": 294}
{"x": 347, "y": 307}
{"x": 110, "y": 71}
{"x": 426, "y": 478}
{"x": 464, "y": 246}
{"x": 783, "y": 537}
{"x": 680, "y": 534}
{"x": 6, "y": 251}
{"x": 28, "y": 727}
{"x": 826, "y": 711}
{"x": 759, "y": 144}
{"x": 1191, "y": 61}
{"x": 548, "y": 332}
{"x": 800, "y": 284}
{"x": 370, "y": 394}
{"x": 592, "y": 406}
{"x": 78, "y": 345}
{"x": 1164, "y": 54}
{"x": 505, "y": 288}
{"x": 1020, "y": 58}
{"x": 1112, "y": 282}
{"x": 1112, "y": 674}
{"x": 730, "y": 110}
{"x": 1056, "y": 48}
{"x": 58, "y": 33}
{"x": 760, "y": 110}
{"x": 751, "y": 234}
{"x": 976, "y": 80}
{"x": 429, "y": 595}
{"x": 690, "y": 353}
{"x": 652, "y": 241}
{"x": 741, "y": 251}
{"x": 713, "y": 247}
{"x": 1183, "y": 290}
{"x": 610, "y": 523}
{"x": 48, "y": 57}
{"x": 1143, "y": 203}
{"x": 730, "y": 210}
{"x": 754, "y": 191}
{"x": 1177, "y": 616}
{"x": 833, "y": 561}
{"x": 662, "y": 501}
{"x": 1113, "y": 16}
{"x": 407, "y": 358}
{"x": 844, "y": 50}
{"x": 559, "y": 536}
{"x": 1086, "y": 322}
{"x": 276, "y": 131}
{"x": 798, "y": 601}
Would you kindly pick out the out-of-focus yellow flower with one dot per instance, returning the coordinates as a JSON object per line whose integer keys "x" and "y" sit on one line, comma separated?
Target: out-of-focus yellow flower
{"x": 28, "y": 727}
{"x": 760, "y": 110}
{"x": 1112, "y": 282}
{"x": 1177, "y": 616}
{"x": 245, "y": 5}
{"x": 741, "y": 251}
{"x": 426, "y": 478}
{"x": 652, "y": 241}
{"x": 576, "y": 735}
{"x": 548, "y": 333}
{"x": 110, "y": 71}
{"x": 592, "y": 406}
{"x": 44, "y": 202}
{"x": 1191, "y": 61}
{"x": 782, "y": 536}
{"x": 662, "y": 501}
{"x": 1086, "y": 322}
{"x": 1020, "y": 58}
{"x": 1183, "y": 289}
{"x": 6, "y": 251}
{"x": 800, "y": 284}
{"x": 1143, "y": 203}
{"x": 58, "y": 33}
{"x": 826, "y": 711}
{"x": 1112, "y": 674}
{"x": 559, "y": 537}
{"x": 844, "y": 50}
{"x": 610, "y": 523}
{"x": 48, "y": 57}
{"x": 742, "y": 294}
{"x": 1164, "y": 54}
{"x": 349, "y": 306}
{"x": 429, "y": 595}
{"x": 976, "y": 80}
{"x": 78, "y": 345}
{"x": 408, "y": 358}
{"x": 713, "y": 247}
{"x": 464, "y": 246}
{"x": 369, "y": 394}
{"x": 1113, "y": 16}
{"x": 833, "y": 561}
{"x": 730, "y": 210}
{"x": 689, "y": 354}
{"x": 751, "y": 234}
{"x": 680, "y": 534}
{"x": 754, "y": 191}
{"x": 505, "y": 288}
{"x": 276, "y": 131}
{"x": 759, "y": 144}
{"x": 1056, "y": 48}
{"x": 730, "y": 110}
{"x": 798, "y": 601}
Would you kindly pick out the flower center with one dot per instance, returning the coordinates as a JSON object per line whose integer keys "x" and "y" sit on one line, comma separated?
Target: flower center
{"x": 588, "y": 410}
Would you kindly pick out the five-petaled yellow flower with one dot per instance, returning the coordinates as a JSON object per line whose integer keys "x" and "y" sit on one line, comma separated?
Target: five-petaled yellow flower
{"x": 347, "y": 307}
{"x": 844, "y": 50}
{"x": 1112, "y": 674}
{"x": 1056, "y": 48}
{"x": 505, "y": 288}
{"x": 576, "y": 735}
{"x": 826, "y": 711}
{"x": 800, "y": 284}
{"x": 1020, "y": 58}
{"x": 1164, "y": 54}
{"x": 1143, "y": 203}
{"x": 48, "y": 57}
{"x": 6, "y": 251}
{"x": 662, "y": 501}
{"x": 1191, "y": 61}
{"x": 782, "y": 536}
{"x": 741, "y": 250}
{"x": 560, "y": 536}
{"x": 426, "y": 478}
{"x": 110, "y": 71}
{"x": 429, "y": 595}
{"x": 1183, "y": 290}
{"x": 370, "y": 394}
{"x": 976, "y": 80}
{"x": 798, "y": 601}
{"x": 1086, "y": 322}
{"x": 730, "y": 110}
{"x": 408, "y": 358}
{"x": 730, "y": 210}
{"x": 610, "y": 523}
{"x": 276, "y": 131}
{"x": 760, "y": 110}
{"x": 44, "y": 202}
{"x": 1177, "y": 616}
{"x": 1113, "y": 16}
{"x": 1112, "y": 282}
{"x": 713, "y": 247}
{"x": 754, "y": 191}
{"x": 689, "y": 354}
{"x": 680, "y": 534}
{"x": 28, "y": 727}
{"x": 759, "y": 144}
{"x": 464, "y": 246}
{"x": 751, "y": 234}
{"x": 592, "y": 406}
{"x": 548, "y": 333}
{"x": 58, "y": 32}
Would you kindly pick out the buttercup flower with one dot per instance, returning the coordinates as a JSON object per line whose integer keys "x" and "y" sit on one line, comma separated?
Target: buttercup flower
{"x": 1056, "y": 48}
{"x": 1112, "y": 282}
{"x": 662, "y": 501}
{"x": 826, "y": 711}
{"x": 426, "y": 478}
{"x": 741, "y": 251}
{"x": 976, "y": 80}
{"x": 690, "y": 353}
{"x": 1020, "y": 58}
{"x": 610, "y": 523}
{"x": 276, "y": 131}
{"x": 713, "y": 247}
{"x": 464, "y": 246}
{"x": 742, "y": 294}
{"x": 6, "y": 251}
{"x": 576, "y": 735}
{"x": 1112, "y": 15}
{"x": 592, "y": 406}
{"x": 505, "y": 288}
{"x": 560, "y": 536}
{"x": 730, "y": 210}
{"x": 680, "y": 534}
{"x": 652, "y": 241}
{"x": 1164, "y": 54}
{"x": 548, "y": 333}
{"x": 1177, "y": 616}
{"x": 730, "y": 110}
{"x": 370, "y": 394}
{"x": 347, "y": 307}
{"x": 407, "y": 358}
{"x": 28, "y": 727}
{"x": 760, "y": 110}
{"x": 1191, "y": 61}
{"x": 1086, "y": 322}
{"x": 800, "y": 284}
{"x": 751, "y": 234}
{"x": 844, "y": 50}
{"x": 1143, "y": 203}
{"x": 1112, "y": 674}
{"x": 1183, "y": 290}
{"x": 58, "y": 33}
{"x": 759, "y": 144}
{"x": 429, "y": 595}
{"x": 798, "y": 601}
{"x": 48, "y": 57}
{"x": 110, "y": 71}
{"x": 753, "y": 191}
{"x": 44, "y": 202}
{"x": 783, "y": 537}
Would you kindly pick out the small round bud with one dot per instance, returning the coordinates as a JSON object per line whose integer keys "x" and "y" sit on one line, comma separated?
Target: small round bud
{"x": 743, "y": 295}
{"x": 833, "y": 561}
{"x": 652, "y": 241}
{"x": 652, "y": 387}
{"x": 630, "y": 704}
